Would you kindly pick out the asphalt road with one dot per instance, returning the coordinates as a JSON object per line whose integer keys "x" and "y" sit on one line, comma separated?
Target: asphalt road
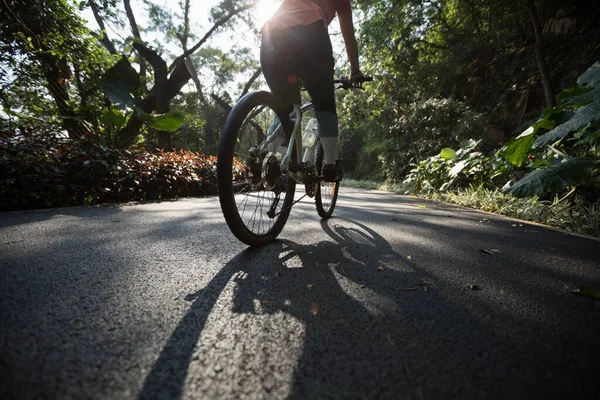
{"x": 394, "y": 298}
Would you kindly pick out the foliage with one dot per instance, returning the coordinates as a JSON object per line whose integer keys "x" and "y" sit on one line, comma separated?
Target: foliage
{"x": 50, "y": 66}
{"x": 478, "y": 54}
{"x": 458, "y": 169}
{"x": 582, "y": 216}
{"x": 398, "y": 133}
{"x": 570, "y": 144}
{"x": 49, "y": 171}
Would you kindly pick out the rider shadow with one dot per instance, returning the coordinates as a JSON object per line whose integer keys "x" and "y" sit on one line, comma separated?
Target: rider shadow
{"x": 362, "y": 330}
{"x": 348, "y": 294}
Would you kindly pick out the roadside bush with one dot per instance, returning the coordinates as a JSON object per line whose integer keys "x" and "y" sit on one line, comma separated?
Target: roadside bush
{"x": 468, "y": 166}
{"x": 49, "y": 171}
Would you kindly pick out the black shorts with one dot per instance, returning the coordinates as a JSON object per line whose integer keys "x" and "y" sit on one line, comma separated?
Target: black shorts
{"x": 302, "y": 51}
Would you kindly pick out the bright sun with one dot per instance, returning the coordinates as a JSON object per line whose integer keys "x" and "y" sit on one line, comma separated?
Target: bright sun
{"x": 264, "y": 10}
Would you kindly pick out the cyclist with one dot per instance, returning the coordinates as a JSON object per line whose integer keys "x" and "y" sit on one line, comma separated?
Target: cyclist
{"x": 296, "y": 44}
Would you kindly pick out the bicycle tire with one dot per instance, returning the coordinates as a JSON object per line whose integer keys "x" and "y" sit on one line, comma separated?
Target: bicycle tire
{"x": 232, "y": 136}
{"x": 327, "y": 192}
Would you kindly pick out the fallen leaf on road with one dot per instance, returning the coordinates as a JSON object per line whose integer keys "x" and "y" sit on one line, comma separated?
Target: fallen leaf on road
{"x": 409, "y": 258}
{"x": 362, "y": 286}
{"x": 587, "y": 292}
{"x": 380, "y": 268}
{"x": 314, "y": 309}
{"x": 309, "y": 285}
{"x": 422, "y": 206}
{"x": 394, "y": 219}
{"x": 473, "y": 287}
{"x": 277, "y": 274}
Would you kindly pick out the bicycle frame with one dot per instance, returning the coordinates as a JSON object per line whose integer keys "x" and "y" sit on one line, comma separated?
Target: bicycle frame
{"x": 274, "y": 140}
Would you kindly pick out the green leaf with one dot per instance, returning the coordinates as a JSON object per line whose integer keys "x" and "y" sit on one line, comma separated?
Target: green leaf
{"x": 163, "y": 122}
{"x": 457, "y": 169}
{"x": 566, "y": 95}
{"x": 582, "y": 117}
{"x": 556, "y": 178}
{"x": 448, "y": 154}
{"x": 121, "y": 84}
{"x": 113, "y": 117}
{"x": 543, "y": 124}
{"x": 517, "y": 149}
{"x": 552, "y": 113}
{"x": 586, "y": 98}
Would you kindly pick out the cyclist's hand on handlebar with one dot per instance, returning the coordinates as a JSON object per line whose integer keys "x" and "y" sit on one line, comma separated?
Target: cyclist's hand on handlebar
{"x": 357, "y": 78}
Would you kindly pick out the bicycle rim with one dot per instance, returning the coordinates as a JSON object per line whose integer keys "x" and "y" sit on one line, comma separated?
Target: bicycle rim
{"x": 255, "y": 197}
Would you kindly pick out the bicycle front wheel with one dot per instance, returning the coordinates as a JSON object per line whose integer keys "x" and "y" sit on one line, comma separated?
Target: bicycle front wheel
{"x": 327, "y": 192}
{"x": 255, "y": 196}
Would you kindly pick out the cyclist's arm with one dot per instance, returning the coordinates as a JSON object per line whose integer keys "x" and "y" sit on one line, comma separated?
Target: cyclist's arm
{"x": 347, "y": 27}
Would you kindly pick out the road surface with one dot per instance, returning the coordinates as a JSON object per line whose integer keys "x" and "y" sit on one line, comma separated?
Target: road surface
{"x": 393, "y": 298}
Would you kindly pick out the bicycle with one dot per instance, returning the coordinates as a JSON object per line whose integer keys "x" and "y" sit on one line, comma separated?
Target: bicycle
{"x": 258, "y": 165}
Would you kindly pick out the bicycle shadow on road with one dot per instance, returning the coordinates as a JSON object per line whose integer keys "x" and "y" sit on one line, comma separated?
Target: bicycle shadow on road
{"x": 353, "y": 317}
{"x": 349, "y": 295}
{"x": 345, "y": 293}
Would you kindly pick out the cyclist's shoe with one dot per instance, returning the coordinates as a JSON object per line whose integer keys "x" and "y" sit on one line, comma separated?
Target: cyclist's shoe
{"x": 333, "y": 173}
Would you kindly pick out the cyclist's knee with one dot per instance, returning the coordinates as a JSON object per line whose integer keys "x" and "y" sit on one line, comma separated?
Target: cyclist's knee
{"x": 328, "y": 123}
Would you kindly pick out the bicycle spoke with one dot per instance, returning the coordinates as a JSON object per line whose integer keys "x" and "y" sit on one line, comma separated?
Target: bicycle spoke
{"x": 246, "y": 202}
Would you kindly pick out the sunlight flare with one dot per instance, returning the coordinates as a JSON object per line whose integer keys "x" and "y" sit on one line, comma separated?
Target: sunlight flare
{"x": 264, "y": 10}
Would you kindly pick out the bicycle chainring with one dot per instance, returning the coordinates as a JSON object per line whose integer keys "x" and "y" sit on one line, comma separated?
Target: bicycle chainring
{"x": 311, "y": 180}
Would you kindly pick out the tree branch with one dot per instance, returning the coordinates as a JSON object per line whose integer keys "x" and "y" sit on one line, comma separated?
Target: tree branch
{"x": 252, "y": 79}
{"x": 216, "y": 26}
{"x": 136, "y": 34}
{"x": 102, "y": 36}
{"x": 134, "y": 27}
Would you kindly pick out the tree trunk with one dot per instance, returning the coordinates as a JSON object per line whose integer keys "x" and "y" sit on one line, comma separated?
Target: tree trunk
{"x": 539, "y": 54}
{"x": 414, "y": 146}
{"x": 176, "y": 81}
{"x": 57, "y": 73}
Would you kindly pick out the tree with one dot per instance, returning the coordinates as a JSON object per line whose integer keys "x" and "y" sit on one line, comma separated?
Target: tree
{"x": 169, "y": 79}
{"x": 47, "y": 50}
{"x": 482, "y": 54}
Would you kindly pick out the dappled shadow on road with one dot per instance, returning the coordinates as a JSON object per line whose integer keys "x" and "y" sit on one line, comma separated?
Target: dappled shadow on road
{"x": 376, "y": 324}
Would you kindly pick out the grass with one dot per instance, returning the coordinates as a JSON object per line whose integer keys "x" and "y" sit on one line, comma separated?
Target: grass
{"x": 362, "y": 184}
{"x": 582, "y": 216}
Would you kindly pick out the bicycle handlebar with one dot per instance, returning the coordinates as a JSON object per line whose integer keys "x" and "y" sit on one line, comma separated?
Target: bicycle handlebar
{"x": 347, "y": 83}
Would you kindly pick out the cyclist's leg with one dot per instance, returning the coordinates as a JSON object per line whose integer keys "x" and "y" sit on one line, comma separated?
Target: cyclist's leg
{"x": 278, "y": 62}
{"x": 279, "y": 55}
{"x": 316, "y": 68}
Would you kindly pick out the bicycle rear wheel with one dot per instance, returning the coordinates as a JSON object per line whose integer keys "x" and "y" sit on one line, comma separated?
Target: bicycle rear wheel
{"x": 255, "y": 196}
{"x": 327, "y": 192}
